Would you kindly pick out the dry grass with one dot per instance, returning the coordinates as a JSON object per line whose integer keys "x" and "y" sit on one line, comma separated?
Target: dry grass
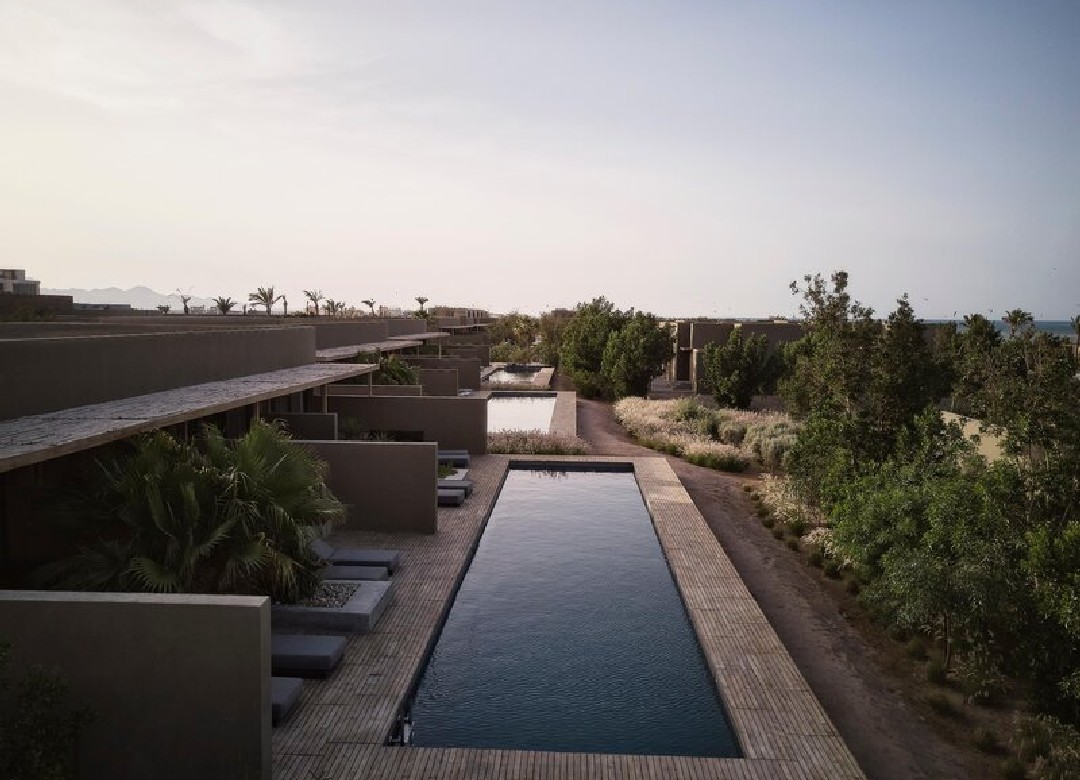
{"x": 535, "y": 443}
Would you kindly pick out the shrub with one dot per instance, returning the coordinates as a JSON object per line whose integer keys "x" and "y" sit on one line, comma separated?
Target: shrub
{"x": 712, "y": 429}
{"x": 1013, "y": 769}
{"x": 832, "y": 569}
{"x": 980, "y": 676}
{"x": 762, "y": 512}
{"x": 1052, "y": 747}
{"x": 731, "y": 432}
{"x": 778, "y": 532}
{"x": 915, "y": 649}
{"x": 987, "y": 741}
{"x": 767, "y": 521}
{"x": 797, "y": 526}
{"x": 39, "y": 727}
{"x": 793, "y": 544}
{"x": 853, "y": 586}
{"x": 535, "y": 443}
{"x": 816, "y": 558}
{"x": 748, "y": 488}
{"x": 936, "y": 672}
{"x": 941, "y": 704}
{"x": 687, "y": 409}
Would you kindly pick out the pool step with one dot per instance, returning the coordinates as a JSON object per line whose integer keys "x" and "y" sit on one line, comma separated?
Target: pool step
{"x": 458, "y": 458}
{"x": 344, "y": 556}
{"x": 341, "y": 572}
{"x": 358, "y": 616}
{"x": 457, "y": 484}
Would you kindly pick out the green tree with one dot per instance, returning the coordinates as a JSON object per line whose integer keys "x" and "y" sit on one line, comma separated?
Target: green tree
{"x": 264, "y": 296}
{"x": 635, "y": 354}
{"x": 737, "y": 369}
{"x": 584, "y": 338}
{"x": 314, "y": 296}
{"x": 224, "y": 305}
{"x": 513, "y": 337}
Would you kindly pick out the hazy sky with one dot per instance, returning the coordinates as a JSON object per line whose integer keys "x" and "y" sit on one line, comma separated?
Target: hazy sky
{"x": 681, "y": 157}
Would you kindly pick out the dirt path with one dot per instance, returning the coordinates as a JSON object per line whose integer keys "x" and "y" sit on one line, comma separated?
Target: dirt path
{"x": 888, "y": 738}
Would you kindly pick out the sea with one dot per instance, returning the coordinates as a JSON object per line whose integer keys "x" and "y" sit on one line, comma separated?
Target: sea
{"x": 1062, "y": 328}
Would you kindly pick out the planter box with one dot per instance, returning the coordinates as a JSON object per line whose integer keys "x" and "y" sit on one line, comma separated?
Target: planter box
{"x": 358, "y": 616}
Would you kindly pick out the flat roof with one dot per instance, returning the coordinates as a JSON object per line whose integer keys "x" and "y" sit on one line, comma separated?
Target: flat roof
{"x": 40, "y": 437}
{"x": 435, "y": 334}
{"x": 330, "y": 354}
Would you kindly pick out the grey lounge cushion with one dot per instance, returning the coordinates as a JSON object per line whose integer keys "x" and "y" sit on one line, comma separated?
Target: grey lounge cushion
{"x": 284, "y": 694}
{"x": 336, "y": 572}
{"x": 451, "y": 497}
{"x": 454, "y": 457}
{"x": 457, "y": 484}
{"x": 305, "y": 655}
{"x": 343, "y": 556}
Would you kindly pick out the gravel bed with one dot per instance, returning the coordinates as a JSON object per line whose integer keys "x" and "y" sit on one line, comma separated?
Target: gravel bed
{"x": 332, "y": 594}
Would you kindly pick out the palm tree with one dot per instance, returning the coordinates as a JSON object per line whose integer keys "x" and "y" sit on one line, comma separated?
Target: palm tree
{"x": 221, "y": 518}
{"x": 421, "y": 300}
{"x": 264, "y": 296}
{"x": 330, "y": 306}
{"x": 224, "y": 305}
{"x": 339, "y": 307}
{"x": 164, "y": 308}
{"x": 370, "y": 303}
{"x": 314, "y": 296}
{"x": 184, "y": 300}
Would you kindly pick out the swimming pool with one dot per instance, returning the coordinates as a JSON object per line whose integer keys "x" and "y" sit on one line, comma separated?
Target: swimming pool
{"x": 568, "y": 632}
{"x": 520, "y": 411}
{"x": 520, "y": 376}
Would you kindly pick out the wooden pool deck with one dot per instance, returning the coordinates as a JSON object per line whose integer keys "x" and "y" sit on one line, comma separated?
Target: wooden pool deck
{"x": 342, "y": 723}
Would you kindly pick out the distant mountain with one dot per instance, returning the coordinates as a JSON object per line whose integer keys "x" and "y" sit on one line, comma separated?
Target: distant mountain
{"x": 137, "y": 297}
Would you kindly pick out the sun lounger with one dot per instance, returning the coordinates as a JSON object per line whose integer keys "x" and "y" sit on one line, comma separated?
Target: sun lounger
{"x": 451, "y": 497}
{"x": 305, "y": 655}
{"x": 459, "y": 458}
{"x": 456, "y": 484}
{"x": 391, "y": 559}
{"x": 336, "y": 572}
{"x": 284, "y": 694}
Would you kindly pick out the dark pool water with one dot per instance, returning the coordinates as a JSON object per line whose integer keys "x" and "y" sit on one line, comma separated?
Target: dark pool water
{"x": 520, "y": 412}
{"x": 568, "y": 632}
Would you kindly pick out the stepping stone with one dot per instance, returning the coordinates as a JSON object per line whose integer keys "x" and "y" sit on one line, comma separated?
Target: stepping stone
{"x": 284, "y": 694}
{"x": 345, "y": 556}
{"x": 336, "y": 572}
{"x": 457, "y": 484}
{"x": 451, "y": 497}
{"x": 358, "y": 616}
{"x": 305, "y": 655}
{"x": 454, "y": 457}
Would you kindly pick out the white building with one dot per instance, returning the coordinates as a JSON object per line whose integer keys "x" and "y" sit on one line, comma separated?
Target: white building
{"x": 14, "y": 282}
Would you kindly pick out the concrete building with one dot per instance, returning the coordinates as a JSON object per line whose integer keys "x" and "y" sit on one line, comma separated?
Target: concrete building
{"x": 13, "y": 281}
{"x": 690, "y": 338}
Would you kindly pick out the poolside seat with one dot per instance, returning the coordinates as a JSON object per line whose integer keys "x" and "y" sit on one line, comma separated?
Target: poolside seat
{"x": 284, "y": 694}
{"x": 451, "y": 497}
{"x": 454, "y": 457}
{"x": 343, "y": 556}
{"x": 305, "y": 655}
{"x": 457, "y": 484}
{"x": 339, "y": 572}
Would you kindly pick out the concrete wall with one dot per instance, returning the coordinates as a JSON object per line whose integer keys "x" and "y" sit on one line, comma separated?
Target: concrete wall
{"x": 46, "y": 375}
{"x": 308, "y": 425}
{"x": 455, "y": 423}
{"x": 34, "y": 305}
{"x": 468, "y": 368}
{"x": 362, "y": 390}
{"x": 179, "y": 685}
{"x": 387, "y": 486}
{"x": 777, "y": 333}
{"x": 439, "y": 381}
{"x": 401, "y": 326}
{"x": 989, "y": 445}
{"x": 702, "y": 333}
{"x": 682, "y": 335}
{"x": 345, "y": 333}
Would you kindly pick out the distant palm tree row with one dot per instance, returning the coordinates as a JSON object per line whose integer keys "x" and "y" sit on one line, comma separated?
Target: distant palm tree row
{"x": 266, "y": 297}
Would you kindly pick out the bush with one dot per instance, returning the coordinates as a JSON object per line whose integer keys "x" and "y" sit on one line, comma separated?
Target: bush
{"x": 1052, "y": 747}
{"x": 853, "y": 586}
{"x": 816, "y": 558}
{"x": 832, "y": 569}
{"x": 712, "y": 428}
{"x": 767, "y": 521}
{"x": 936, "y": 672}
{"x": 748, "y": 488}
{"x": 778, "y": 533}
{"x": 39, "y": 727}
{"x": 980, "y": 677}
{"x": 1013, "y": 769}
{"x": 941, "y": 704}
{"x": 535, "y": 443}
{"x": 987, "y": 741}
{"x": 793, "y": 544}
{"x": 797, "y": 526}
{"x": 731, "y": 432}
{"x": 688, "y": 409}
{"x": 762, "y": 512}
{"x": 915, "y": 649}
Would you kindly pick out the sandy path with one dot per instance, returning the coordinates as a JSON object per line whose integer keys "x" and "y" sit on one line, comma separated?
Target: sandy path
{"x": 888, "y": 738}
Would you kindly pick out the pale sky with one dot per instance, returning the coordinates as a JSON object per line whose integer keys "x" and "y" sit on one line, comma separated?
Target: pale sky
{"x": 679, "y": 156}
